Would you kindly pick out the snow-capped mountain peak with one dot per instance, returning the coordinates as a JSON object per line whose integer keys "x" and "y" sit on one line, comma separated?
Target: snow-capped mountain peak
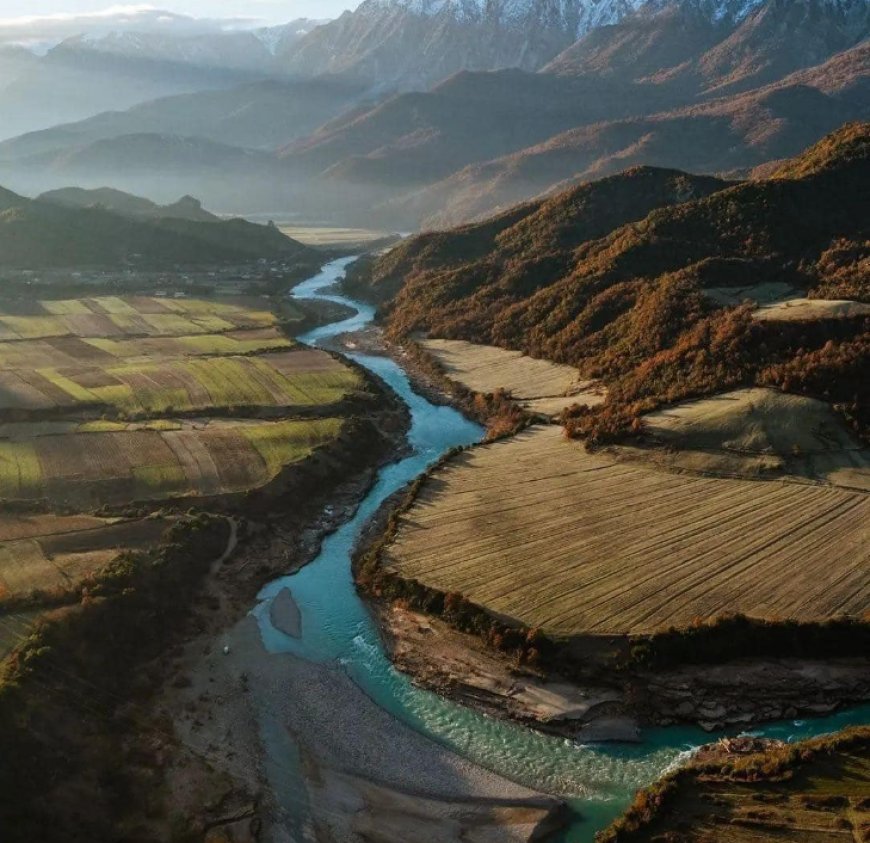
{"x": 275, "y": 38}
{"x": 574, "y": 16}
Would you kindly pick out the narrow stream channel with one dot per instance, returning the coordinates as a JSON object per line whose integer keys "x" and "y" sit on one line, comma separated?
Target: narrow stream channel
{"x": 599, "y": 781}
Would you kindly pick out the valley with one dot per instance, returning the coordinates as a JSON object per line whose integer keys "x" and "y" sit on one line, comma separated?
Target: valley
{"x": 443, "y": 421}
{"x": 511, "y": 547}
{"x": 120, "y": 414}
{"x": 324, "y": 804}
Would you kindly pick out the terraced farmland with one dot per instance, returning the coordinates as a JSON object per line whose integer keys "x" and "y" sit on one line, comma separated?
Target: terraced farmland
{"x": 538, "y": 385}
{"x": 145, "y": 463}
{"x": 538, "y": 530}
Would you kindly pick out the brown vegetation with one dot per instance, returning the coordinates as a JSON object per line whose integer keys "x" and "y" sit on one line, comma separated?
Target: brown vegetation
{"x": 813, "y": 790}
{"x": 65, "y": 694}
{"x": 618, "y": 291}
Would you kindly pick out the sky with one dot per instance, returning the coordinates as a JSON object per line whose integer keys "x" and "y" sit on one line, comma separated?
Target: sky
{"x": 270, "y": 11}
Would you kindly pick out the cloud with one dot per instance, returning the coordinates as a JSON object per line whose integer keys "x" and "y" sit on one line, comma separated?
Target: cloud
{"x": 78, "y": 18}
{"x": 50, "y": 29}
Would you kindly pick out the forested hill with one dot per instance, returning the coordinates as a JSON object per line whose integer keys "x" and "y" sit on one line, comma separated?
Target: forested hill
{"x": 615, "y": 278}
{"x": 38, "y": 234}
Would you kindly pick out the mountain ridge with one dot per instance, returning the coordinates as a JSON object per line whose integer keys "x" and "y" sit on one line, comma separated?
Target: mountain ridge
{"x": 632, "y": 307}
{"x": 40, "y": 234}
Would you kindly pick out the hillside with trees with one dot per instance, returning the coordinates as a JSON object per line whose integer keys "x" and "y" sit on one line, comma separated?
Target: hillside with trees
{"x": 625, "y": 295}
{"x": 41, "y": 233}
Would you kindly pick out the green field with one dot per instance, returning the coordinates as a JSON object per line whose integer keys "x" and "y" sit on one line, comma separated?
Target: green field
{"x": 299, "y": 378}
{"x": 112, "y": 316}
{"x": 148, "y": 357}
{"x": 74, "y": 373}
{"x": 85, "y": 470}
{"x": 115, "y": 401}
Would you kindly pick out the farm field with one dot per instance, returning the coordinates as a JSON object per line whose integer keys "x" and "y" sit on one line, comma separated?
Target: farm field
{"x": 54, "y": 553}
{"x": 45, "y": 555}
{"x": 538, "y": 385}
{"x": 756, "y": 432}
{"x": 300, "y": 378}
{"x": 802, "y": 310}
{"x": 328, "y": 237}
{"x": 86, "y": 470}
{"x": 91, "y": 391}
{"x": 538, "y": 530}
{"x": 64, "y": 352}
{"x": 92, "y": 418}
{"x": 146, "y": 356}
{"x": 779, "y": 302}
{"x": 116, "y": 316}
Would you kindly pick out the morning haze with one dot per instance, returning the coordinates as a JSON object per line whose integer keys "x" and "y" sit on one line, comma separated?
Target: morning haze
{"x": 426, "y": 421}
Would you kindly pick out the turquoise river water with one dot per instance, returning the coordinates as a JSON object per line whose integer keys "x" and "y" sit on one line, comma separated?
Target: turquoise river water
{"x": 597, "y": 780}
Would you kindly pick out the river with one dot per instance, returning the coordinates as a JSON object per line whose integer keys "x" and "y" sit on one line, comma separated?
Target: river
{"x": 598, "y": 781}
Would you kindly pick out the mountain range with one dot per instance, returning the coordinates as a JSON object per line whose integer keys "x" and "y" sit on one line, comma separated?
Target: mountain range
{"x": 716, "y": 86}
{"x": 91, "y": 73}
{"x": 108, "y": 229}
{"x": 412, "y": 44}
{"x": 617, "y": 277}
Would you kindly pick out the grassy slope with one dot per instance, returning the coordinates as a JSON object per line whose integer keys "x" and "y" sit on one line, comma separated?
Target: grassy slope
{"x": 817, "y": 791}
{"x": 610, "y": 277}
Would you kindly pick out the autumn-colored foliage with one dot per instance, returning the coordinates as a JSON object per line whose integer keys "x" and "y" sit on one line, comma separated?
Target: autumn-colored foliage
{"x": 614, "y": 277}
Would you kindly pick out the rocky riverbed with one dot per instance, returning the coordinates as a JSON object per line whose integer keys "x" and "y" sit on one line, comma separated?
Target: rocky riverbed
{"x": 714, "y": 697}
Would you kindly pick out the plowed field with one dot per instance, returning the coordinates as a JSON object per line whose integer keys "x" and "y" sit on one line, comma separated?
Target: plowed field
{"x": 538, "y": 530}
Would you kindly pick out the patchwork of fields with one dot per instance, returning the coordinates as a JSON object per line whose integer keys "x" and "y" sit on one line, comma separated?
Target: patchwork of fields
{"x": 88, "y": 470}
{"x": 284, "y": 380}
{"x": 114, "y": 316}
{"x": 143, "y": 357}
{"x": 113, "y": 401}
{"x": 67, "y": 395}
{"x": 537, "y": 530}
